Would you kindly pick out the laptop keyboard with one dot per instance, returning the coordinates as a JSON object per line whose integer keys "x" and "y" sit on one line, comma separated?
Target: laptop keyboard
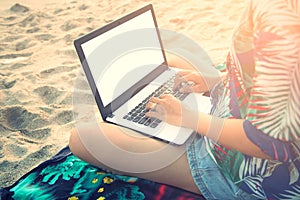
{"x": 137, "y": 115}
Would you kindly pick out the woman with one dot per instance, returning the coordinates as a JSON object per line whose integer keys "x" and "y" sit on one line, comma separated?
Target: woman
{"x": 251, "y": 143}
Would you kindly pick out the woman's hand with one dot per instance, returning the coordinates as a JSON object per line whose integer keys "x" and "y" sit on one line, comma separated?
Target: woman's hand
{"x": 189, "y": 81}
{"x": 171, "y": 110}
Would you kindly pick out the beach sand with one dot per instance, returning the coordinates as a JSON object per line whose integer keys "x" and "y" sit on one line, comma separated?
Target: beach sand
{"x": 39, "y": 66}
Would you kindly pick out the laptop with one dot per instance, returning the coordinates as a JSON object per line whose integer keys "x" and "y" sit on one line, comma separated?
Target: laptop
{"x": 125, "y": 64}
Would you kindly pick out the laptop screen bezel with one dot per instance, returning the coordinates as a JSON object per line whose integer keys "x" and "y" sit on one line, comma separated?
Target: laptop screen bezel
{"x": 106, "y": 111}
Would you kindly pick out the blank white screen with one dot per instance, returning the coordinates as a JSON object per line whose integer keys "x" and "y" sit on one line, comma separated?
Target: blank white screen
{"x": 123, "y": 55}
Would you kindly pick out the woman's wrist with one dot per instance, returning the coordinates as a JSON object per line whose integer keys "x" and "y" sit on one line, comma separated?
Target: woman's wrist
{"x": 203, "y": 124}
{"x": 190, "y": 119}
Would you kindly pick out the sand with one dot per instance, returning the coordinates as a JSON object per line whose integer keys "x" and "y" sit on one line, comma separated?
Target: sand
{"x": 39, "y": 66}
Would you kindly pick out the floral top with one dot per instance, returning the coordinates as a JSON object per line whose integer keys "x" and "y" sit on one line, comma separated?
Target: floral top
{"x": 263, "y": 87}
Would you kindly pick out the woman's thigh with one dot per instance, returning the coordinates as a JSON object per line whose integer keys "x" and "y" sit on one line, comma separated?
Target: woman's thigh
{"x": 129, "y": 153}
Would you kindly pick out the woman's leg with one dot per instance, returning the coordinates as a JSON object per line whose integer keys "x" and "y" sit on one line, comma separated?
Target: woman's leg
{"x": 128, "y": 142}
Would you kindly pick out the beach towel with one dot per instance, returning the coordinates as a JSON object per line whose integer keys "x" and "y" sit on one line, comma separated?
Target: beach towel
{"x": 67, "y": 177}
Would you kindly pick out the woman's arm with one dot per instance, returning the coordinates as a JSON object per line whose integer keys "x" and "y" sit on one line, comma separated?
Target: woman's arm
{"x": 228, "y": 132}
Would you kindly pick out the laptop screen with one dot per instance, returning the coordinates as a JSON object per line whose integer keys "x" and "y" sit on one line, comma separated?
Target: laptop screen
{"x": 123, "y": 55}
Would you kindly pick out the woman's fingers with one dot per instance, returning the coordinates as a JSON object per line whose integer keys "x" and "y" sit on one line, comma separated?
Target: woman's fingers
{"x": 155, "y": 114}
{"x": 190, "y": 87}
{"x": 168, "y": 108}
{"x": 154, "y": 100}
{"x": 180, "y": 78}
{"x": 162, "y": 104}
{"x": 155, "y": 108}
{"x": 151, "y": 105}
{"x": 186, "y": 80}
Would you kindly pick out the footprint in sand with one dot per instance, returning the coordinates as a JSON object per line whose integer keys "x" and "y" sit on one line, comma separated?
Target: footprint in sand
{"x": 83, "y": 7}
{"x": 16, "y": 150}
{"x": 33, "y": 30}
{"x": 44, "y": 37}
{"x": 17, "y": 11}
{"x": 48, "y": 73}
{"x": 25, "y": 44}
{"x": 68, "y": 39}
{"x": 64, "y": 117}
{"x": 69, "y": 25}
{"x": 17, "y": 118}
{"x": 12, "y": 38}
{"x": 33, "y": 19}
{"x": 14, "y": 58}
{"x": 12, "y": 43}
{"x": 7, "y": 98}
{"x": 15, "y": 55}
{"x": 68, "y": 100}
{"x": 4, "y": 84}
{"x": 18, "y": 8}
{"x": 18, "y": 65}
{"x": 48, "y": 94}
{"x": 10, "y": 18}
{"x": 67, "y": 52}
{"x": 39, "y": 134}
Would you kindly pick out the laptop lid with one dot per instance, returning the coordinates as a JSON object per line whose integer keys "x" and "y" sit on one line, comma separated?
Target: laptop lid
{"x": 119, "y": 59}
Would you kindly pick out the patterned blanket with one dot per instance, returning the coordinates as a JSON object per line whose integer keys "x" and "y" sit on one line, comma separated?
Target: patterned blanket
{"x": 67, "y": 177}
